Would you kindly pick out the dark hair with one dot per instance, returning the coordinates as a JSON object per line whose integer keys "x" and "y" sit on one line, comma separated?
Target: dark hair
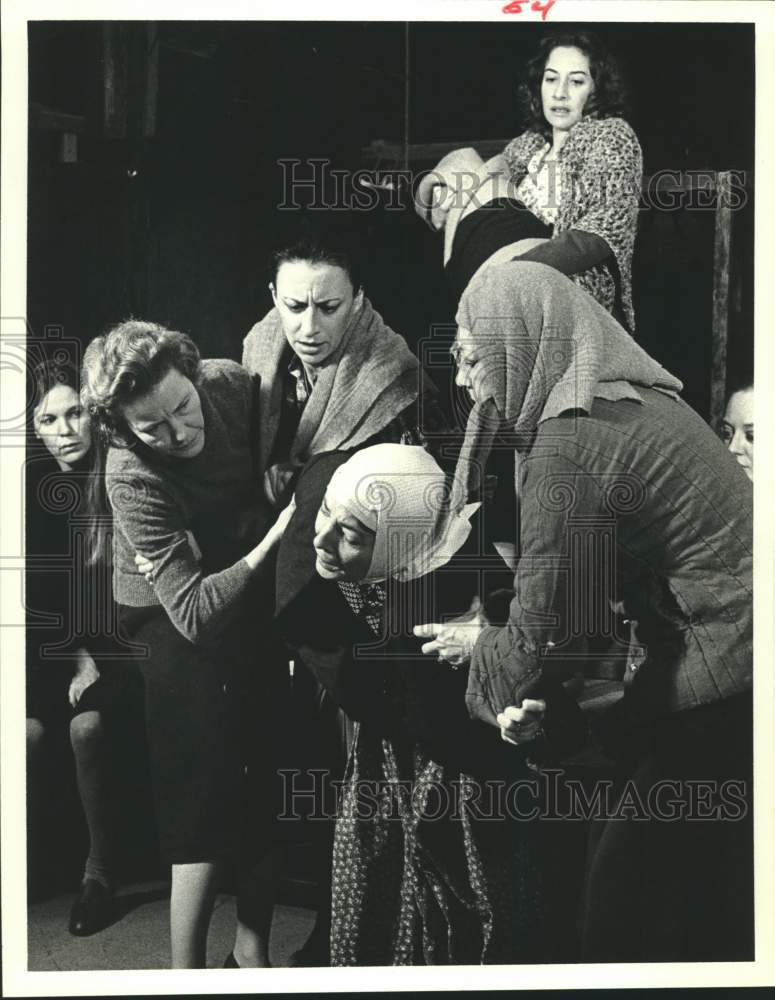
{"x": 322, "y": 241}
{"x": 49, "y": 374}
{"x": 125, "y": 363}
{"x": 741, "y": 383}
{"x": 609, "y": 99}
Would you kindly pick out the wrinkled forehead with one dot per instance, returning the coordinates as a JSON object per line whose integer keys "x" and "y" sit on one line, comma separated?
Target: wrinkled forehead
{"x": 302, "y": 280}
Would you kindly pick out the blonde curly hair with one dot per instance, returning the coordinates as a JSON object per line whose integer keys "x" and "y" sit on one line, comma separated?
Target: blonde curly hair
{"x": 125, "y": 363}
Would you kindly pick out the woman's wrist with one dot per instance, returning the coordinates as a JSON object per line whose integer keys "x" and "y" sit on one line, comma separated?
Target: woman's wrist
{"x": 257, "y": 556}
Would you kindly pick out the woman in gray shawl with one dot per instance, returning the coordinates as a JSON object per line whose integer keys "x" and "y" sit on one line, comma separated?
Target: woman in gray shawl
{"x": 333, "y": 375}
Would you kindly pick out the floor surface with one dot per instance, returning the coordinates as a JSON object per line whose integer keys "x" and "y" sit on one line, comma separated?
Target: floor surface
{"x": 138, "y": 937}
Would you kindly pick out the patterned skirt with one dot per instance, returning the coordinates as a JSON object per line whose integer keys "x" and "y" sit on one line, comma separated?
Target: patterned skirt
{"x": 422, "y": 874}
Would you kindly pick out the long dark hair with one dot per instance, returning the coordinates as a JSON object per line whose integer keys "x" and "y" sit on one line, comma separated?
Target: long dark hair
{"x": 123, "y": 364}
{"x": 48, "y": 375}
{"x": 609, "y": 99}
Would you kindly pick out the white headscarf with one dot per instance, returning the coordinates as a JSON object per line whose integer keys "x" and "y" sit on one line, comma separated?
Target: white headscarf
{"x": 400, "y": 493}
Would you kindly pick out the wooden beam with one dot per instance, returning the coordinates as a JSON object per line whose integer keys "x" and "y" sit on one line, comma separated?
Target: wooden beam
{"x": 49, "y": 120}
{"x": 115, "y": 72}
{"x": 722, "y": 247}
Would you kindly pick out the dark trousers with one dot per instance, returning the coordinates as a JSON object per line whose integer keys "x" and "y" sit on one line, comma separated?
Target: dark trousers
{"x": 677, "y": 883}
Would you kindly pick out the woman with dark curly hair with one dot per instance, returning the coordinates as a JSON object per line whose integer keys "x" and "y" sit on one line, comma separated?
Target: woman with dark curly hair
{"x": 181, "y": 482}
{"x": 579, "y": 166}
{"x": 564, "y": 193}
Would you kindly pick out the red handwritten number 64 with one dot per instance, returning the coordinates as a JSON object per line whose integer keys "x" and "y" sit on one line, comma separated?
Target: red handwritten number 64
{"x": 515, "y": 7}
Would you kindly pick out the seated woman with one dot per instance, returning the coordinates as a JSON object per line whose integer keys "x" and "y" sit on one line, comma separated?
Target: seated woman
{"x": 333, "y": 375}
{"x": 577, "y": 169}
{"x": 417, "y": 878}
{"x": 182, "y": 485}
{"x": 626, "y": 494}
{"x": 77, "y": 673}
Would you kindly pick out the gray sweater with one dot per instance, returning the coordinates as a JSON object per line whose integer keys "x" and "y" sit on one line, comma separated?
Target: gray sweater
{"x": 157, "y": 501}
{"x": 644, "y": 494}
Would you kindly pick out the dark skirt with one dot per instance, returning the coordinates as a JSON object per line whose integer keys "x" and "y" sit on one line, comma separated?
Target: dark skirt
{"x": 210, "y": 755}
{"x": 117, "y": 696}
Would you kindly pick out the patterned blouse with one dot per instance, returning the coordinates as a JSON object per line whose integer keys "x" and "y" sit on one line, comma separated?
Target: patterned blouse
{"x": 597, "y": 180}
{"x": 541, "y": 187}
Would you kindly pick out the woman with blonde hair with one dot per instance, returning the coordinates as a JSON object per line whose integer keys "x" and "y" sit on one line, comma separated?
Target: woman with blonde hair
{"x": 181, "y": 483}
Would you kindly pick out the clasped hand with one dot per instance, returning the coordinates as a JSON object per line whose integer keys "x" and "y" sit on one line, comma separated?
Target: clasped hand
{"x": 522, "y": 725}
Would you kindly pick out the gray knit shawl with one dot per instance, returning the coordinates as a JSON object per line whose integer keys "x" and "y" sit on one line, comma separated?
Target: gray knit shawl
{"x": 369, "y": 379}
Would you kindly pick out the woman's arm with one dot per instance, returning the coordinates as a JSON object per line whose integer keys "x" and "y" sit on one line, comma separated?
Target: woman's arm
{"x": 551, "y": 589}
{"x": 198, "y": 606}
{"x": 571, "y": 252}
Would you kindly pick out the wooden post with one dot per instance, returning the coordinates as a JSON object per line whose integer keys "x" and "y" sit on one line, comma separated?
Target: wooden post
{"x": 722, "y": 245}
{"x": 115, "y": 72}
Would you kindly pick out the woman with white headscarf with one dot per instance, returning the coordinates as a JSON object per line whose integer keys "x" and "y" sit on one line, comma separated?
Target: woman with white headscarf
{"x": 417, "y": 878}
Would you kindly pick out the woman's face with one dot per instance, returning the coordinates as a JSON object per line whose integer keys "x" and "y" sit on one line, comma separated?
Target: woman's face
{"x": 168, "y": 418}
{"x": 63, "y": 425}
{"x": 566, "y": 86}
{"x": 316, "y": 303}
{"x": 464, "y": 355}
{"x": 737, "y": 428}
{"x": 344, "y": 546}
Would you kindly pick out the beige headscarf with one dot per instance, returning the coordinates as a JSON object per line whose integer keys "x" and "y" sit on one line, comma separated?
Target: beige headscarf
{"x": 542, "y": 346}
{"x": 401, "y": 494}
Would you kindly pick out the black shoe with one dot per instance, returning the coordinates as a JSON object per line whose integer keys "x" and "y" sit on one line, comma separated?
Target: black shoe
{"x": 91, "y": 910}
{"x": 314, "y": 953}
{"x": 230, "y": 962}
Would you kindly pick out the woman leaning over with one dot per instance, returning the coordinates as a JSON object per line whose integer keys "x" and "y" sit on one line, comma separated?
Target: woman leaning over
{"x": 434, "y": 862}
{"x": 180, "y": 480}
{"x": 626, "y": 495}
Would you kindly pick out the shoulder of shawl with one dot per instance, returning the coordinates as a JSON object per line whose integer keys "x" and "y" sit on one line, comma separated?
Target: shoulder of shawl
{"x": 609, "y": 141}
{"x": 519, "y": 151}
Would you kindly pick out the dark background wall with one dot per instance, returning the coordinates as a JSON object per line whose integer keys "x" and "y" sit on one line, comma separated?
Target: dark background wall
{"x": 176, "y": 225}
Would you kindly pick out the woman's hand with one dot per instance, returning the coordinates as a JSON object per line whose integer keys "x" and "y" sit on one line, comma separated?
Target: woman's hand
{"x": 453, "y": 642}
{"x": 522, "y": 725}
{"x": 258, "y": 555}
{"x": 86, "y": 673}
{"x": 144, "y": 567}
{"x": 278, "y": 528}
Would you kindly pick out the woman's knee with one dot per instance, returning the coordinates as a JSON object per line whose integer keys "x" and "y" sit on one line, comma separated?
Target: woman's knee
{"x": 86, "y": 732}
{"x": 36, "y": 735}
